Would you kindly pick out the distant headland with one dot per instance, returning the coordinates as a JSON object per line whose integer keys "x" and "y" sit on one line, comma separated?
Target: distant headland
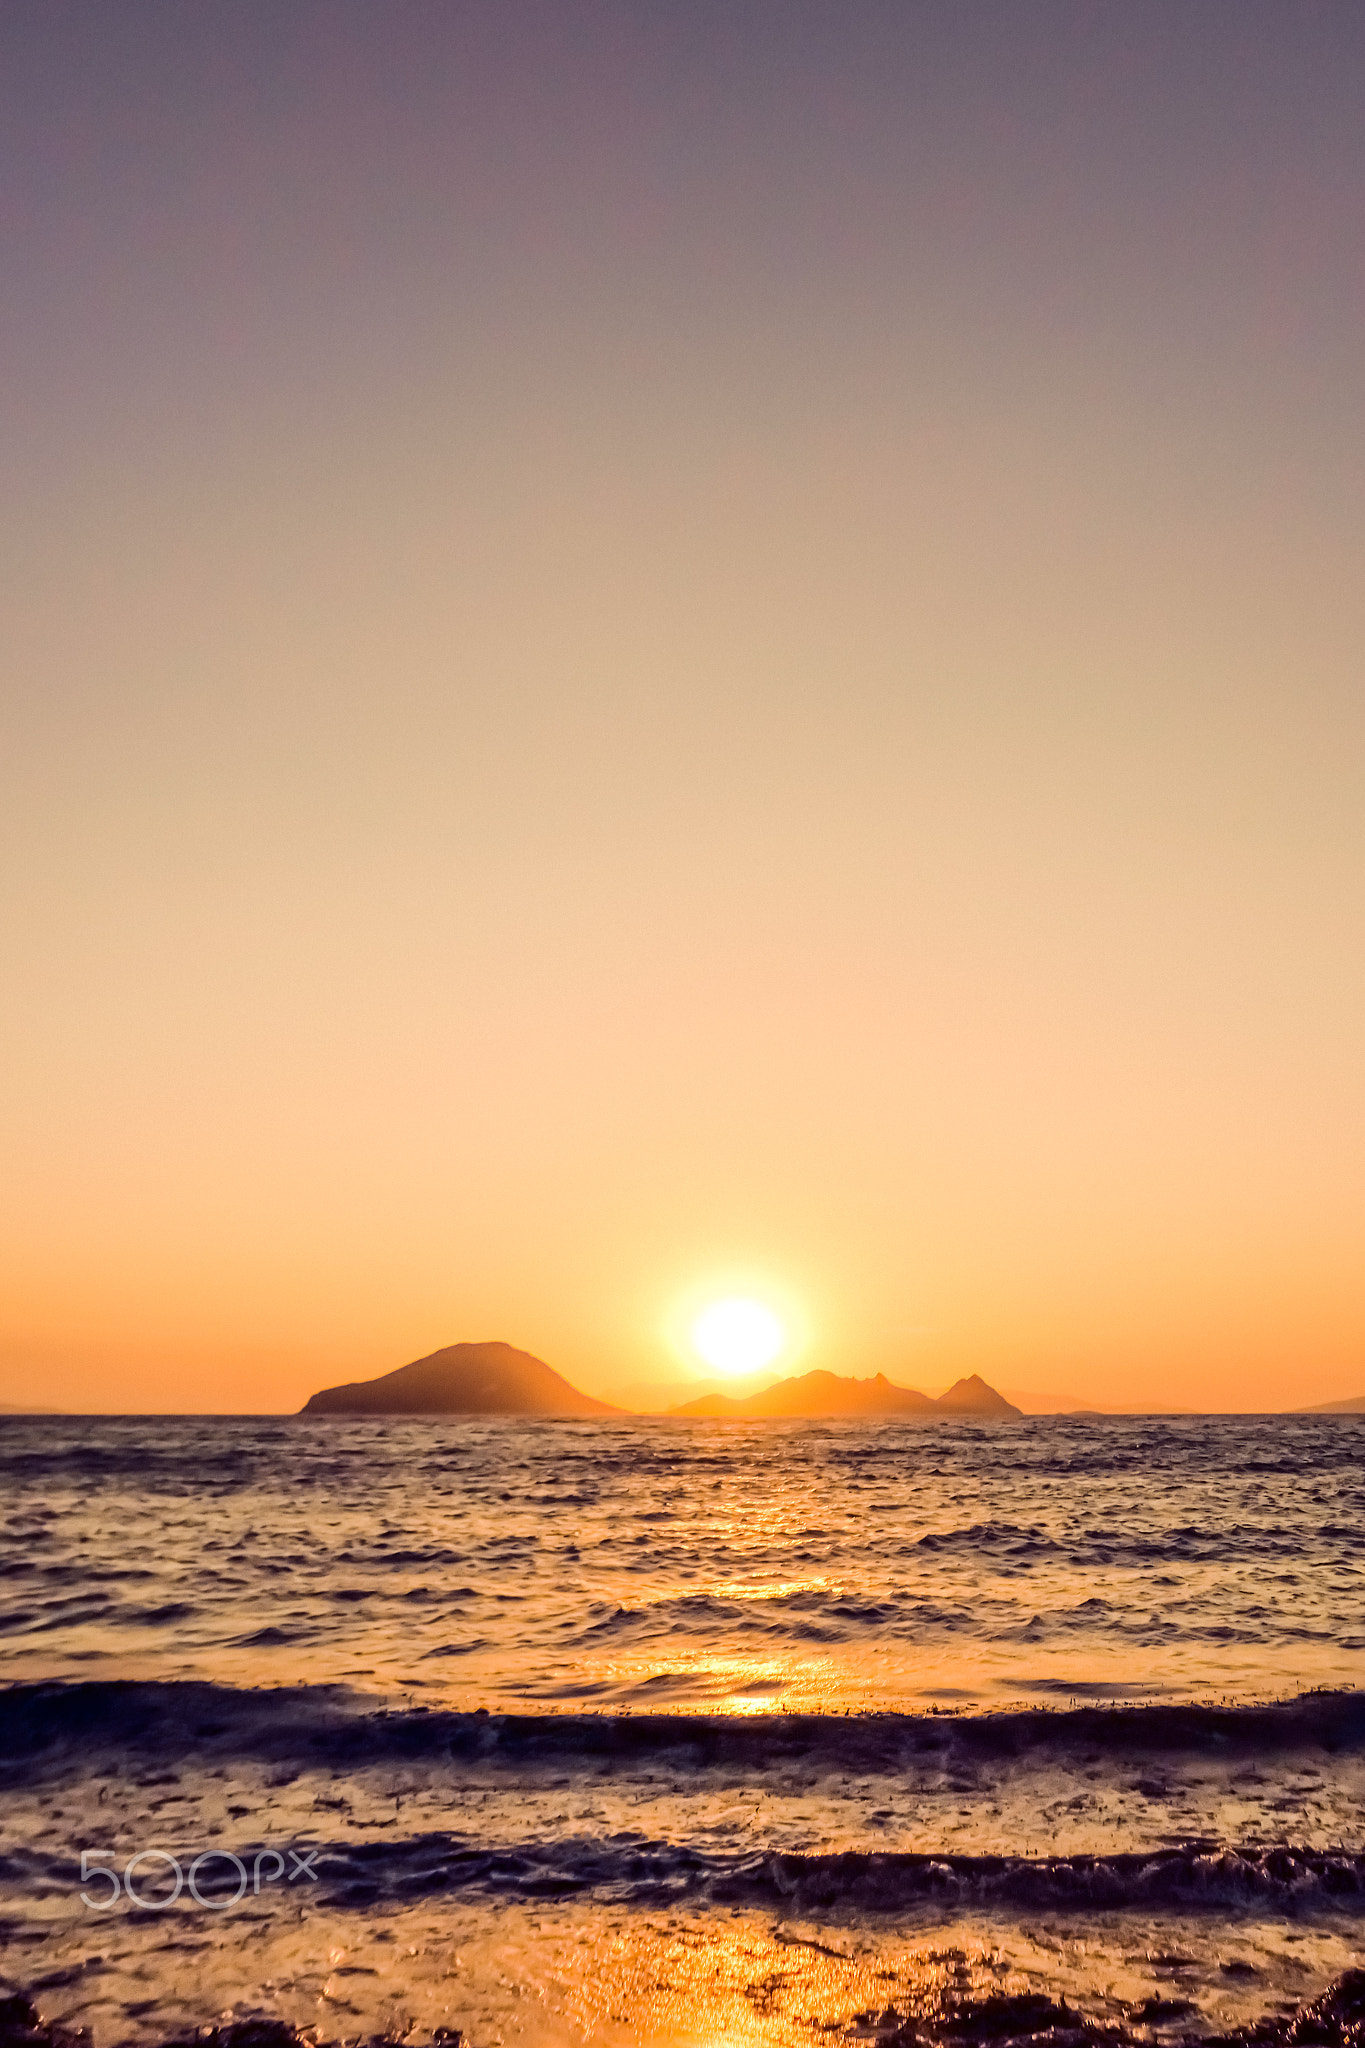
{"x": 497, "y": 1379}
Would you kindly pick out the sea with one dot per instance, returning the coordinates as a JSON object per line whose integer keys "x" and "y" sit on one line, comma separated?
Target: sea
{"x": 659, "y": 1731}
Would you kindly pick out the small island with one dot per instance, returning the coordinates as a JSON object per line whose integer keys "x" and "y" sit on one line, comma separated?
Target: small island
{"x": 463, "y": 1379}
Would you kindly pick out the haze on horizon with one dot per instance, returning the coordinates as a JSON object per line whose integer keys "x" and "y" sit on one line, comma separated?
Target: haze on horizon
{"x": 651, "y": 652}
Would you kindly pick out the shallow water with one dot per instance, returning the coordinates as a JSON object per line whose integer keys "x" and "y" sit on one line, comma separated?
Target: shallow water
{"x": 666, "y": 1878}
{"x": 794, "y": 1729}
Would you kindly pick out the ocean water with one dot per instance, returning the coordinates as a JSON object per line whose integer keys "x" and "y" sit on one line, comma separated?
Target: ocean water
{"x": 660, "y": 1564}
{"x": 673, "y": 1732}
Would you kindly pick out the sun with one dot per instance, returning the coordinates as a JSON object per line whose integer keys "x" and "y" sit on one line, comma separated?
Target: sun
{"x": 738, "y": 1335}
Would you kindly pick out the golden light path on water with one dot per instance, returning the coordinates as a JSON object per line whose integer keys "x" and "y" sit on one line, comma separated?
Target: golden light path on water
{"x": 558, "y": 1974}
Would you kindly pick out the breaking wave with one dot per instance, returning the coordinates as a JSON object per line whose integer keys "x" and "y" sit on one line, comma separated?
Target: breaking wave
{"x": 328, "y": 1724}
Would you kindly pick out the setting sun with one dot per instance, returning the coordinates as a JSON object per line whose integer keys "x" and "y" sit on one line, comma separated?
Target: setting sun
{"x": 738, "y": 1336}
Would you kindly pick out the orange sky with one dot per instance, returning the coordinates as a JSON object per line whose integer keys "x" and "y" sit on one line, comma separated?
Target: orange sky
{"x": 599, "y": 695}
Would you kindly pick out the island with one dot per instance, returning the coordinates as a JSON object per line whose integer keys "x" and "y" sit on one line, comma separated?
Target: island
{"x": 816, "y": 1395}
{"x": 463, "y": 1379}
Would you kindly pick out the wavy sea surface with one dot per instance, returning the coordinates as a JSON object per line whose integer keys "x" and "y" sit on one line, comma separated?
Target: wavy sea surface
{"x": 681, "y": 1733}
{"x": 666, "y": 1564}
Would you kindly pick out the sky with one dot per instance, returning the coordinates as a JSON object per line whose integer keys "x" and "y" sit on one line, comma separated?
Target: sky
{"x": 649, "y": 652}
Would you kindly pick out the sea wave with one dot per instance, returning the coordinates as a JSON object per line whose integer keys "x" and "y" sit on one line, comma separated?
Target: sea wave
{"x": 54, "y": 1723}
{"x": 642, "y": 1870}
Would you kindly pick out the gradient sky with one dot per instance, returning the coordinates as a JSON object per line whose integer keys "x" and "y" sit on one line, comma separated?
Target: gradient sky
{"x": 647, "y": 647}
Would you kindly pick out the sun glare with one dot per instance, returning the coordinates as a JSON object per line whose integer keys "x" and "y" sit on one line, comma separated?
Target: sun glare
{"x": 738, "y": 1336}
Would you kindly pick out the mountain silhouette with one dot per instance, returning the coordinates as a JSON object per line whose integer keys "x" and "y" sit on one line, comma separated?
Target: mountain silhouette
{"x": 973, "y": 1397}
{"x": 817, "y": 1394}
{"x": 463, "y": 1379}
